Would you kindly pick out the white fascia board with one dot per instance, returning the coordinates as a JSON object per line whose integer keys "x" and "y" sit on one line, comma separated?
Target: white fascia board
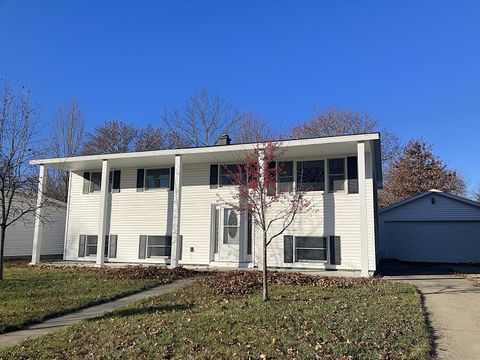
{"x": 207, "y": 149}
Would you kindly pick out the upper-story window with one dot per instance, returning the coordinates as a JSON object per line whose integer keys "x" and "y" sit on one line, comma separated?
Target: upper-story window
{"x": 157, "y": 178}
{"x": 336, "y": 175}
{"x": 285, "y": 176}
{"x": 311, "y": 175}
{"x": 226, "y": 173}
{"x": 92, "y": 181}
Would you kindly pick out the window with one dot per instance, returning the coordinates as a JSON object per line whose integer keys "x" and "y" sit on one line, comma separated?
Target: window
{"x": 157, "y": 178}
{"x": 352, "y": 175}
{"x": 336, "y": 175}
{"x": 231, "y": 227}
{"x": 95, "y": 181}
{"x": 285, "y": 176}
{"x": 310, "y": 248}
{"x": 114, "y": 181}
{"x": 91, "y": 245}
{"x": 311, "y": 175}
{"x": 225, "y": 170}
{"x": 159, "y": 246}
{"x": 92, "y": 181}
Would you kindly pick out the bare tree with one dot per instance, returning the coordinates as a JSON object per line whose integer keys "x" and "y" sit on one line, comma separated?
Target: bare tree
{"x": 476, "y": 194}
{"x": 67, "y": 140}
{"x": 417, "y": 170}
{"x": 18, "y": 184}
{"x": 110, "y": 138}
{"x": 202, "y": 120}
{"x": 250, "y": 128}
{"x": 272, "y": 211}
{"x": 334, "y": 121}
{"x": 150, "y": 138}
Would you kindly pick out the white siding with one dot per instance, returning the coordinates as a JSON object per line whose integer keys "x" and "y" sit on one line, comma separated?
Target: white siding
{"x": 19, "y": 237}
{"x": 331, "y": 214}
{"x": 135, "y": 213}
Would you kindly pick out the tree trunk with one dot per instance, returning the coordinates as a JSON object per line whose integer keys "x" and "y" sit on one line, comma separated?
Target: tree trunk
{"x": 265, "y": 282}
{"x": 2, "y": 246}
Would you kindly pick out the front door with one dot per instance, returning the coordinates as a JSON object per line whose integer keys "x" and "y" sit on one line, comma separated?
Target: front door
{"x": 228, "y": 239}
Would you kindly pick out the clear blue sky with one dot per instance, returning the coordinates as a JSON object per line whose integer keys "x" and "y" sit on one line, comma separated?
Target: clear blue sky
{"x": 413, "y": 64}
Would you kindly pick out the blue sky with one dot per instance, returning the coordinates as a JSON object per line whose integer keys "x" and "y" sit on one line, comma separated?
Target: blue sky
{"x": 414, "y": 65}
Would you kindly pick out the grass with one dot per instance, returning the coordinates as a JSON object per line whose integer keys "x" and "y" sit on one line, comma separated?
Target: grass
{"x": 381, "y": 320}
{"x": 31, "y": 294}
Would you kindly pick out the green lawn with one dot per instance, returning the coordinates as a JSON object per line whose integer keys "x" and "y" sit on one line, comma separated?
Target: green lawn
{"x": 30, "y": 294}
{"x": 375, "y": 320}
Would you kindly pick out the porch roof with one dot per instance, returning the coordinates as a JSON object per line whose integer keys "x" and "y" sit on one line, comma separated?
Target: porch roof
{"x": 302, "y": 148}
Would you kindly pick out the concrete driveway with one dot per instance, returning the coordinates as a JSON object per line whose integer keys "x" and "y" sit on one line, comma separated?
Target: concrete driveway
{"x": 452, "y": 303}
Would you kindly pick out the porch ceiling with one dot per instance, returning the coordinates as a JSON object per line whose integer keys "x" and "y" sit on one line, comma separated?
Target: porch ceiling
{"x": 294, "y": 149}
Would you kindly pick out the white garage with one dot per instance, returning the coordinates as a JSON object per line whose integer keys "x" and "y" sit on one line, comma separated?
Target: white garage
{"x": 431, "y": 227}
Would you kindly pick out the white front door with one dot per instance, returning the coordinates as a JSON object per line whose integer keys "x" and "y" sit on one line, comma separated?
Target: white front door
{"x": 231, "y": 242}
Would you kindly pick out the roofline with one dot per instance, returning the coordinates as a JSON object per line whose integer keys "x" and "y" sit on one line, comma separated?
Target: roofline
{"x": 429, "y": 192}
{"x": 212, "y": 148}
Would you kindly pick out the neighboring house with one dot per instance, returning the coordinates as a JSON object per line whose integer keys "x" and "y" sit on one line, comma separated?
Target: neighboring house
{"x": 19, "y": 236}
{"x": 165, "y": 206}
{"x": 431, "y": 227}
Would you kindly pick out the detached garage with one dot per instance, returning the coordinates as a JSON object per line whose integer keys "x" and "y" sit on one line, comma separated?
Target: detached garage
{"x": 431, "y": 227}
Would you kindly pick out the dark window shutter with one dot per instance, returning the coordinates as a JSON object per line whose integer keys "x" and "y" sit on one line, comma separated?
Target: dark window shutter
{"x": 86, "y": 182}
{"x": 213, "y": 176}
{"x": 112, "y": 251}
{"x": 116, "y": 181}
{"x": 142, "y": 249}
{"x": 172, "y": 178}
{"x": 140, "y": 179}
{"x": 352, "y": 174}
{"x": 105, "y": 252}
{"x": 288, "y": 249}
{"x": 81, "y": 245}
{"x": 271, "y": 191}
{"x": 335, "y": 254}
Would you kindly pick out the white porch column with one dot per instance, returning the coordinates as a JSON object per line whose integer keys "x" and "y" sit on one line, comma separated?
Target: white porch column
{"x": 177, "y": 204}
{"x": 362, "y": 192}
{"x": 261, "y": 249}
{"x": 102, "y": 223}
{"x": 38, "y": 227}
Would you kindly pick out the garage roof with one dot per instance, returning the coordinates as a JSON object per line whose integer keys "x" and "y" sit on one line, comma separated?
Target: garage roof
{"x": 430, "y": 192}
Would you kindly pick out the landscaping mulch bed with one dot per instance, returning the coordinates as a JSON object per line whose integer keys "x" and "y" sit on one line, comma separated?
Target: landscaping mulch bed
{"x": 246, "y": 282}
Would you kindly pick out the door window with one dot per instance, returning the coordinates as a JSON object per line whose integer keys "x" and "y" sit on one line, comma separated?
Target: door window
{"x": 231, "y": 227}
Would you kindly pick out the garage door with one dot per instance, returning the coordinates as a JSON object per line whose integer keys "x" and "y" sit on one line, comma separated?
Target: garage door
{"x": 433, "y": 241}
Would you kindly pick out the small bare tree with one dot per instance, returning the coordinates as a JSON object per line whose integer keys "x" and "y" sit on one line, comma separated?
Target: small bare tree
{"x": 203, "y": 118}
{"x": 18, "y": 183}
{"x": 272, "y": 211}
{"x": 67, "y": 140}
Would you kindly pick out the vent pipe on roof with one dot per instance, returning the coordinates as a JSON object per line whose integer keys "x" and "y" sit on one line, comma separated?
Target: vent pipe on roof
{"x": 224, "y": 139}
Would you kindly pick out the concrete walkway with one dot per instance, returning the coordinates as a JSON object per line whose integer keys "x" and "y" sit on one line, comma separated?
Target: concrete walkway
{"x": 453, "y": 307}
{"x": 35, "y": 330}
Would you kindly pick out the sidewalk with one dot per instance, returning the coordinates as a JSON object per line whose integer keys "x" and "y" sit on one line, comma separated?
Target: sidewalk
{"x": 47, "y": 326}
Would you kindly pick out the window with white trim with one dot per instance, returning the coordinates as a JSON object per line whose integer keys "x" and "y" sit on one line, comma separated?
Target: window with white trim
{"x": 336, "y": 175}
{"x": 311, "y": 175}
{"x": 159, "y": 246}
{"x": 285, "y": 176}
{"x": 157, "y": 178}
{"x": 310, "y": 248}
{"x": 91, "y": 245}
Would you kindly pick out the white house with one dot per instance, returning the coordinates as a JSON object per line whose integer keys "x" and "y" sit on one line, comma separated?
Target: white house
{"x": 19, "y": 235}
{"x": 431, "y": 227}
{"x": 165, "y": 206}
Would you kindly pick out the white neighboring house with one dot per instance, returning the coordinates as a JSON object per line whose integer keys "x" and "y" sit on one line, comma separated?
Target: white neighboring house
{"x": 164, "y": 207}
{"x": 431, "y": 227}
{"x": 19, "y": 236}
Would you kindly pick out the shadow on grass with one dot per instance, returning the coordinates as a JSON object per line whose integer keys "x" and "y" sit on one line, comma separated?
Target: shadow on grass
{"x": 147, "y": 310}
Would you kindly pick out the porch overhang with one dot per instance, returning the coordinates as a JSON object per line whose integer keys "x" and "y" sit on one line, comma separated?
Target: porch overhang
{"x": 304, "y": 148}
